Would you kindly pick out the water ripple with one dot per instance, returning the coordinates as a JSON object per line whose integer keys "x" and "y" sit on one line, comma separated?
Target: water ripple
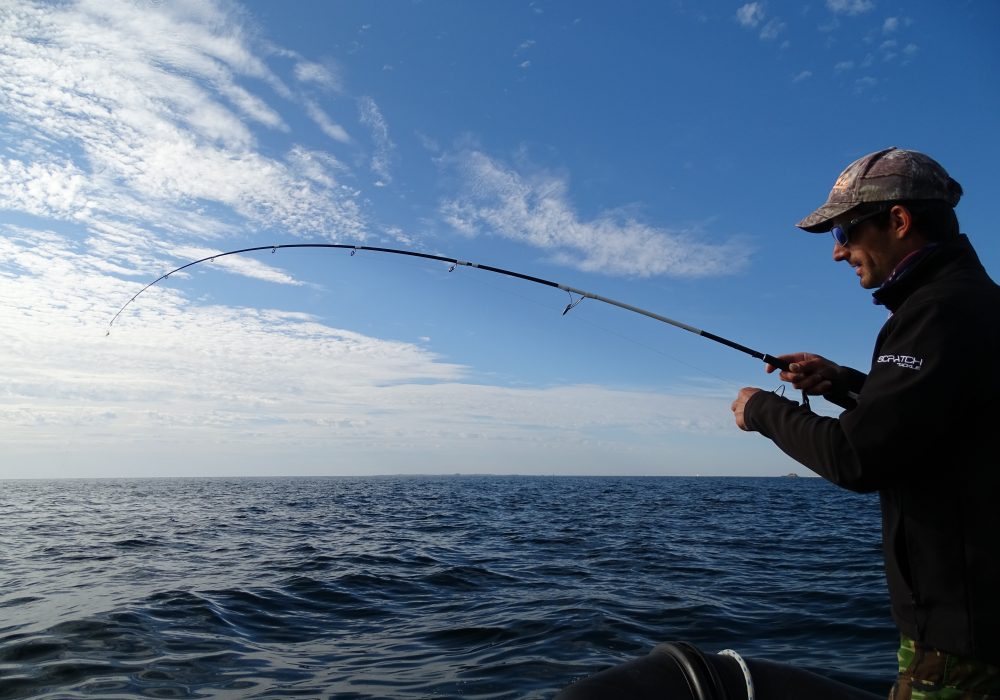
{"x": 478, "y": 587}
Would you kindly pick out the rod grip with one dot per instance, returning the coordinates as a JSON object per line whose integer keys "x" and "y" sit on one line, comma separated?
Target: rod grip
{"x": 772, "y": 360}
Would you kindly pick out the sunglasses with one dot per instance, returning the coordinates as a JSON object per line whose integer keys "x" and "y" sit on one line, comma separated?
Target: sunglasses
{"x": 841, "y": 233}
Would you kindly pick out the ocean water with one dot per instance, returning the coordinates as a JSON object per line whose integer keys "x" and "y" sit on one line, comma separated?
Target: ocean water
{"x": 425, "y": 587}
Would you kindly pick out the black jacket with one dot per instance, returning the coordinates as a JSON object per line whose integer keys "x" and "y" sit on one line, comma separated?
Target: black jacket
{"x": 926, "y": 435}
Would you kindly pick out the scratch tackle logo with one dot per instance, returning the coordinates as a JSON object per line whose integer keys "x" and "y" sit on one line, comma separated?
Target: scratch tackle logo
{"x": 904, "y": 361}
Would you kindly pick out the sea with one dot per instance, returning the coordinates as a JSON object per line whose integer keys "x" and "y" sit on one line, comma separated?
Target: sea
{"x": 426, "y": 586}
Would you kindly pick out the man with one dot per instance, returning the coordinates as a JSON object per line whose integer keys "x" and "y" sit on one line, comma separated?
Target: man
{"x": 923, "y": 427}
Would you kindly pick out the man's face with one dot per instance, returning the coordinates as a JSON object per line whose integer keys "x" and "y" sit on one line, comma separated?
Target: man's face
{"x": 869, "y": 251}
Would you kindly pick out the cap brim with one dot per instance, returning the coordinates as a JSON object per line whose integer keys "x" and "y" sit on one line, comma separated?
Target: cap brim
{"x": 821, "y": 220}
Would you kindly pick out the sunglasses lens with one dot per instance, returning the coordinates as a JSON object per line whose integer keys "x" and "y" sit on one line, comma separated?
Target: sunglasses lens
{"x": 839, "y": 235}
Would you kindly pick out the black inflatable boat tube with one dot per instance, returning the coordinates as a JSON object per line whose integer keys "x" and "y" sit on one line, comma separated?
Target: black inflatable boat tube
{"x": 679, "y": 671}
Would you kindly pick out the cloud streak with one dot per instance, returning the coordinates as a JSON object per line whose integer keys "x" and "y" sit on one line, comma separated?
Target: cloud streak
{"x": 384, "y": 147}
{"x": 850, "y": 7}
{"x": 327, "y": 126}
{"x": 535, "y": 210}
{"x": 750, "y": 14}
{"x": 147, "y": 105}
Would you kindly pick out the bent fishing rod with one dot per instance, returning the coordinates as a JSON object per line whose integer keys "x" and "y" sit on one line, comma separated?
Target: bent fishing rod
{"x": 454, "y": 262}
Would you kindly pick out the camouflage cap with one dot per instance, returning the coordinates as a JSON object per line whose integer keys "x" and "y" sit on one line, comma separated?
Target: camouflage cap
{"x": 889, "y": 175}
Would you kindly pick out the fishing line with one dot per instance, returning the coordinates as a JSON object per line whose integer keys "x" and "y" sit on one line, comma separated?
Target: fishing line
{"x": 455, "y": 263}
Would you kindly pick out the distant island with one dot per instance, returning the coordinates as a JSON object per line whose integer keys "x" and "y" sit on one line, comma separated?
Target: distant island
{"x": 792, "y": 475}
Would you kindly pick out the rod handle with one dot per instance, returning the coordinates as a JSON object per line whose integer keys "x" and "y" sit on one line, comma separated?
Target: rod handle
{"x": 772, "y": 360}
{"x": 840, "y": 397}
{"x": 783, "y": 365}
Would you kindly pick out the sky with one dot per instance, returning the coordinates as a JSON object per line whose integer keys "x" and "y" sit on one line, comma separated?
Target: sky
{"x": 656, "y": 152}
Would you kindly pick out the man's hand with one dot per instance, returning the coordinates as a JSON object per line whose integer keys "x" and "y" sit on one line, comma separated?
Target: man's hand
{"x": 807, "y": 372}
{"x": 740, "y": 402}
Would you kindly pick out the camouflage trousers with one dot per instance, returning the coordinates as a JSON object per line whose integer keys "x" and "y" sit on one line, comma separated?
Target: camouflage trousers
{"x": 929, "y": 674}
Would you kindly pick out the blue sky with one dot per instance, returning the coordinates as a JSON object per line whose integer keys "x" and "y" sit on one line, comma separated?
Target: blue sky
{"x": 658, "y": 154}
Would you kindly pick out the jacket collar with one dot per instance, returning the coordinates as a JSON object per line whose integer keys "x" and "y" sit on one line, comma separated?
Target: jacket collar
{"x": 921, "y": 267}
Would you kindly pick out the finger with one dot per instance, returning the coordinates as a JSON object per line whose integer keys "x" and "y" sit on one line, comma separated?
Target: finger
{"x": 803, "y": 383}
{"x": 814, "y": 385}
{"x": 785, "y": 359}
{"x": 790, "y": 360}
{"x": 738, "y": 417}
{"x": 810, "y": 366}
{"x": 795, "y": 356}
{"x": 741, "y": 422}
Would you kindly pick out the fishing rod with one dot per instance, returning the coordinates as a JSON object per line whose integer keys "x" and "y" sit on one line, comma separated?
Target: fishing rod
{"x": 454, "y": 262}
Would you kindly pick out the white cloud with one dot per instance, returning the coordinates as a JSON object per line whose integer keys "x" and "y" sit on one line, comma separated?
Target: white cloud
{"x": 843, "y": 66}
{"x": 384, "y": 147}
{"x": 253, "y": 107}
{"x": 829, "y": 26}
{"x": 62, "y": 302}
{"x": 325, "y": 77}
{"x": 804, "y": 75}
{"x": 750, "y": 14}
{"x": 890, "y": 25}
{"x": 772, "y": 29}
{"x": 137, "y": 102}
{"x": 535, "y": 210}
{"x": 850, "y": 7}
{"x": 889, "y": 49}
{"x": 319, "y": 166}
{"x": 175, "y": 380}
{"x": 236, "y": 264}
{"x": 524, "y": 46}
{"x": 327, "y": 126}
{"x": 44, "y": 189}
{"x": 865, "y": 83}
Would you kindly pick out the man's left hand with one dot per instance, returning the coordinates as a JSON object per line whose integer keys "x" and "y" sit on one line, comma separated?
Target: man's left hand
{"x": 739, "y": 404}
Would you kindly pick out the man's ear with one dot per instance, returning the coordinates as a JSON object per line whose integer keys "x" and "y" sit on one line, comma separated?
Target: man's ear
{"x": 901, "y": 222}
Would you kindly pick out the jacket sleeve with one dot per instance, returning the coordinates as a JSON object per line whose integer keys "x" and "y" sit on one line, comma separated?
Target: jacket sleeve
{"x": 848, "y": 381}
{"x": 816, "y": 442}
{"x": 904, "y": 412}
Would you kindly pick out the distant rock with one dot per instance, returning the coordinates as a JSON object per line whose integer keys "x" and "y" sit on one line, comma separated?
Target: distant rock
{"x": 792, "y": 475}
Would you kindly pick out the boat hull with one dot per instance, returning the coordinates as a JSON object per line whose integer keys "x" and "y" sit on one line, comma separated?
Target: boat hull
{"x": 679, "y": 671}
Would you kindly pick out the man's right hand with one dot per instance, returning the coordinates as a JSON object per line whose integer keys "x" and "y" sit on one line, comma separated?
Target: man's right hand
{"x": 807, "y": 372}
